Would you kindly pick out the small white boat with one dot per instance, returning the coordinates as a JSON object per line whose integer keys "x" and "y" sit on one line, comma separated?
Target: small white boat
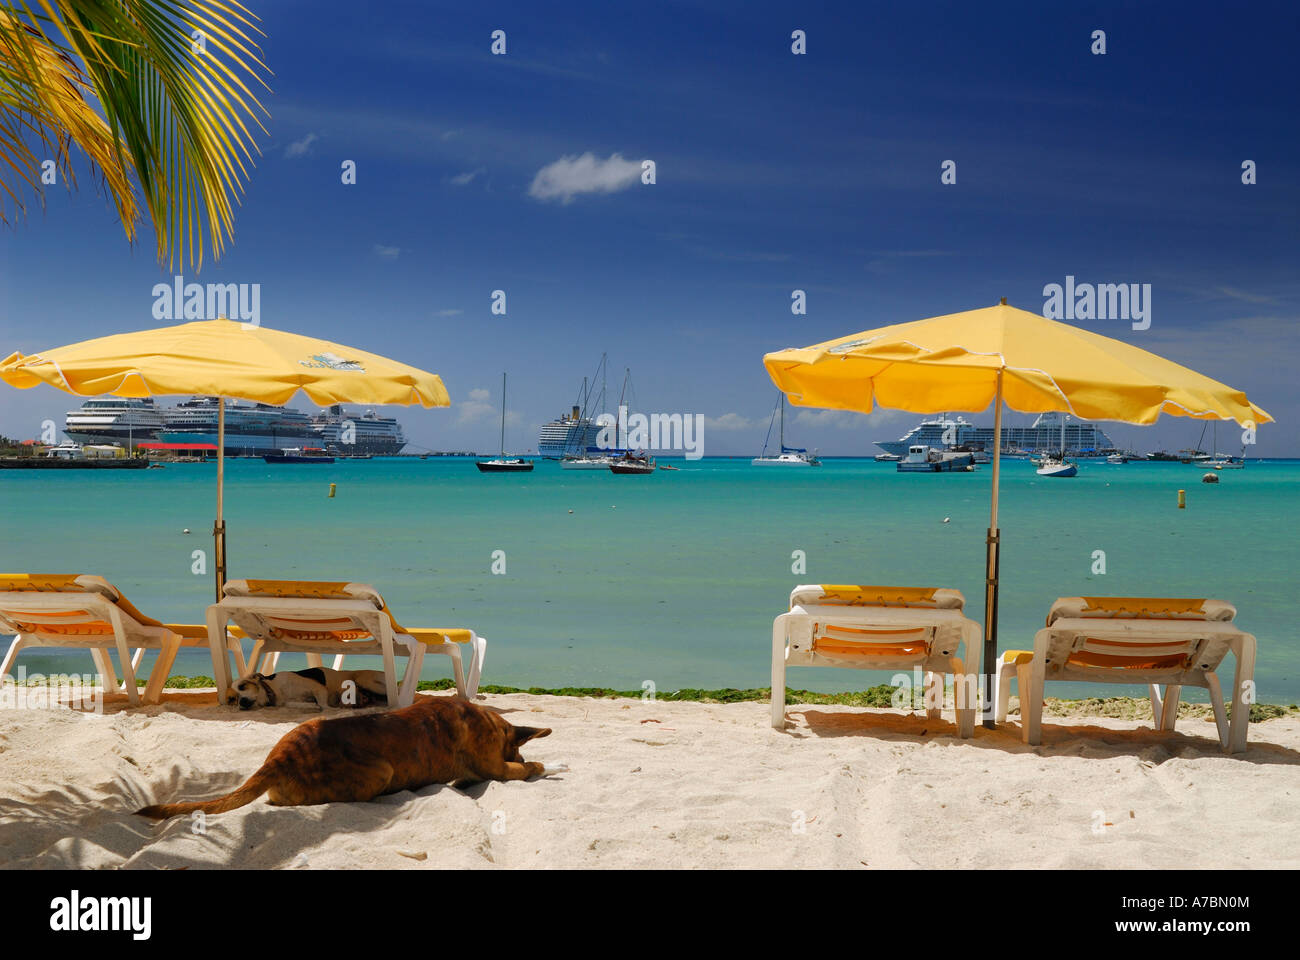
{"x": 887, "y": 458}
{"x": 1117, "y": 458}
{"x": 923, "y": 459}
{"x": 1052, "y": 467}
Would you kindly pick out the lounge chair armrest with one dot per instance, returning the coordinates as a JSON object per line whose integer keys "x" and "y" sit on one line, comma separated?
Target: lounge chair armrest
{"x": 433, "y": 636}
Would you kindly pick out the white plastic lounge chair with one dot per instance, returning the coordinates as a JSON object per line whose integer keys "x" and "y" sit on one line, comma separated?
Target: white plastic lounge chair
{"x": 1178, "y": 642}
{"x": 315, "y": 618}
{"x": 67, "y": 610}
{"x": 877, "y": 628}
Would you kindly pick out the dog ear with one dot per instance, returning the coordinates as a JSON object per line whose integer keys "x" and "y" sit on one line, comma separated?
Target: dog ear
{"x": 266, "y": 687}
{"x": 524, "y": 734}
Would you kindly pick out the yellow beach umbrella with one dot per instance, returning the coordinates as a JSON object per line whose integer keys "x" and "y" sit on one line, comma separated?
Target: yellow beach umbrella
{"x": 225, "y": 358}
{"x": 1000, "y": 354}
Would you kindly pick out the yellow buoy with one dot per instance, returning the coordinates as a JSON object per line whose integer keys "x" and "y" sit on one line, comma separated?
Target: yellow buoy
{"x": 332, "y": 486}
{"x": 1182, "y": 499}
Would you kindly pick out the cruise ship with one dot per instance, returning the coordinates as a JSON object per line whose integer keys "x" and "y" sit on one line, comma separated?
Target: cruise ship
{"x": 570, "y": 435}
{"x": 124, "y": 421}
{"x": 1082, "y": 439}
{"x": 371, "y": 434}
{"x": 252, "y": 429}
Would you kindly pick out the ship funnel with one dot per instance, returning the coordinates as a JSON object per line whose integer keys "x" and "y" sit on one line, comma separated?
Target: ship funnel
{"x": 575, "y": 411}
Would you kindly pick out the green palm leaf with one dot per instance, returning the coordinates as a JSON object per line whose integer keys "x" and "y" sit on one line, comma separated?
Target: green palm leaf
{"x": 155, "y": 93}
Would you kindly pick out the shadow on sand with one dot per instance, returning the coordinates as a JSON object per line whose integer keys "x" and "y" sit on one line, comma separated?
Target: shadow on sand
{"x": 1059, "y": 739}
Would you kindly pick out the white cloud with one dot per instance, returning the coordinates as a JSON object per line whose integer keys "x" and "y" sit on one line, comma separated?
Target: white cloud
{"x": 465, "y": 179}
{"x": 387, "y": 253}
{"x": 450, "y": 313}
{"x": 830, "y": 419}
{"x": 729, "y": 421}
{"x": 300, "y": 148}
{"x": 476, "y": 408}
{"x": 1246, "y": 295}
{"x": 570, "y": 176}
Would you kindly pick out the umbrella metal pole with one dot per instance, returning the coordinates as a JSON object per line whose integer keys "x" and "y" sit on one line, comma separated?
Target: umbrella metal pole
{"x": 219, "y": 527}
{"x": 993, "y": 543}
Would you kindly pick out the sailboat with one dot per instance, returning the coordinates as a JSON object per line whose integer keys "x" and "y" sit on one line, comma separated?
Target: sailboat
{"x": 582, "y": 457}
{"x": 1222, "y": 461}
{"x": 629, "y": 463}
{"x": 502, "y": 464}
{"x": 787, "y": 456}
{"x": 1057, "y": 466}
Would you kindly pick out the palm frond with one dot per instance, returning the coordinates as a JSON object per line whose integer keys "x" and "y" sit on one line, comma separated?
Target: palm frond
{"x": 172, "y": 111}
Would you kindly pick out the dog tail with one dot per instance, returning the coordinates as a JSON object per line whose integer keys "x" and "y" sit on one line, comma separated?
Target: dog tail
{"x": 255, "y": 786}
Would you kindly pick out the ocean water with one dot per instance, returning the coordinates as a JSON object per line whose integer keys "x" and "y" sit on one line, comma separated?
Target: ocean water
{"x": 672, "y": 578}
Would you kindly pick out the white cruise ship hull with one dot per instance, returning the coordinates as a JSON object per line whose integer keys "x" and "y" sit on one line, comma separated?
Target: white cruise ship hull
{"x": 245, "y": 444}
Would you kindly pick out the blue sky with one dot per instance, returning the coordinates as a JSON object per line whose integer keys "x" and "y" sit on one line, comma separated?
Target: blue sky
{"x": 774, "y": 172}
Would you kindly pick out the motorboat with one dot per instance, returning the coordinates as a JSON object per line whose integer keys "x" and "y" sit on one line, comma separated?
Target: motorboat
{"x": 298, "y": 455}
{"x": 632, "y": 464}
{"x": 925, "y": 459}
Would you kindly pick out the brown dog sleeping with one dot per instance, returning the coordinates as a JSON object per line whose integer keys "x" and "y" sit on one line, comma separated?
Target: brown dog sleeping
{"x": 348, "y": 759}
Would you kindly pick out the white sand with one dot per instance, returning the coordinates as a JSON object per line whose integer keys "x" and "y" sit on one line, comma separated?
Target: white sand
{"x": 705, "y": 786}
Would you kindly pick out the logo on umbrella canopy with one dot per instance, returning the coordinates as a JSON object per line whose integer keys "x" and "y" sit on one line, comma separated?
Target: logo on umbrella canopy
{"x": 332, "y": 361}
{"x": 851, "y": 345}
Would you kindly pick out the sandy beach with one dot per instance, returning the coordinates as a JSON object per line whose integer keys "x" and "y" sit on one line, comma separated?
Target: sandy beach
{"x": 655, "y": 784}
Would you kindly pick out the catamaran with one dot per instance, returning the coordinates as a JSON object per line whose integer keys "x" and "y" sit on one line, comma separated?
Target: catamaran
{"x": 788, "y": 456}
{"x": 504, "y": 464}
{"x": 1221, "y": 461}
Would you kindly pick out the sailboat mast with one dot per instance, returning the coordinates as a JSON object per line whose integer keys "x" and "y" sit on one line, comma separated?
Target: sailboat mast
{"x": 503, "y": 415}
{"x": 782, "y": 450}
{"x": 627, "y": 372}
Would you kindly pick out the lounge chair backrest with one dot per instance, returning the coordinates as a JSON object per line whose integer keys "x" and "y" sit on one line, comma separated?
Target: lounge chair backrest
{"x": 1134, "y": 651}
{"x": 330, "y": 625}
{"x": 857, "y": 640}
{"x": 316, "y": 589}
{"x": 20, "y": 609}
{"x": 857, "y": 595}
{"x": 1140, "y": 608}
{"x": 56, "y": 583}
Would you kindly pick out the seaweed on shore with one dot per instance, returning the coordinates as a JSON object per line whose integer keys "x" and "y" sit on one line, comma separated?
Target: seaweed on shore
{"x": 1121, "y": 708}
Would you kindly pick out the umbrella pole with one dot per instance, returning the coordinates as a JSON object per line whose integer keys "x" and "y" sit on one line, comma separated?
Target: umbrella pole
{"x": 993, "y": 543}
{"x": 219, "y": 528}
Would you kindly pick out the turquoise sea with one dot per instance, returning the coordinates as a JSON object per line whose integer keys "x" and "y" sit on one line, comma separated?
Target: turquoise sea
{"x": 673, "y": 578}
